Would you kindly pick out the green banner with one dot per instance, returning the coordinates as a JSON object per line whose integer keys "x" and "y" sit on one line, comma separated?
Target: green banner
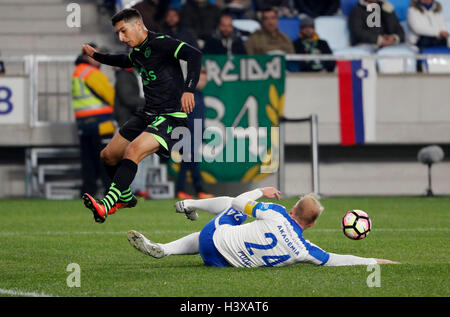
{"x": 244, "y": 97}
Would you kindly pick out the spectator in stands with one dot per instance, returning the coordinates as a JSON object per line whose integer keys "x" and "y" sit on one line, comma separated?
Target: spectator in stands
{"x": 128, "y": 100}
{"x": 153, "y": 12}
{"x": 389, "y": 31}
{"x": 197, "y": 115}
{"x": 309, "y": 43}
{"x": 92, "y": 102}
{"x": 315, "y": 8}
{"x": 201, "y": 17}
{"x": 269, "y": 39}
{"x": 237, "y": 9}
{"x": 171, "y": 26}
{"x": 224, "y": 41}
{"x": 427, "y": 24}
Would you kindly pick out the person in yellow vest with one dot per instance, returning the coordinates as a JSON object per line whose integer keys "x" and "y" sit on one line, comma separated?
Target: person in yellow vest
{"x": 92, "y": 102}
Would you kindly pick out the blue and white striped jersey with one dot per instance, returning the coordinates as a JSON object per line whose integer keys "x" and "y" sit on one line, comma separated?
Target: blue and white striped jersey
{"x": 272, "y": 239}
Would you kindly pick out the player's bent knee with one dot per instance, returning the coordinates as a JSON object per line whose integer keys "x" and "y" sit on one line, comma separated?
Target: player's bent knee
{"x": 108, "y": 158}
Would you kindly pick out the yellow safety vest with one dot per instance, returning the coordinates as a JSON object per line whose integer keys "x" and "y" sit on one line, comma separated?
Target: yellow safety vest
{"x": 84, "y": 102}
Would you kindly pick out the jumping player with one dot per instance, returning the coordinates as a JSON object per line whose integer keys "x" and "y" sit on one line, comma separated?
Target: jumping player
{"x": 169, "y": 98}
{"x": 275, "y": 238}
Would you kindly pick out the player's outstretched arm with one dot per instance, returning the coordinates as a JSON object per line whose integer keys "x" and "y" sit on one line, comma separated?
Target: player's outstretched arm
{"x": 241, "y": 201}
{"x": 346, "y": 260}
{"x": 383, "y": 261}
{"x": 120, "y": 60}
{"x": 271, "y": 192}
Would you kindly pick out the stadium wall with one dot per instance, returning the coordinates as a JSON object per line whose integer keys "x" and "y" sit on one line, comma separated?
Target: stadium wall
{"x": 411, "y": 110}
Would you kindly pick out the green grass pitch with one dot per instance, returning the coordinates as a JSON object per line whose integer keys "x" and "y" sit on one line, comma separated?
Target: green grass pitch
{"x": 39, "y": 239}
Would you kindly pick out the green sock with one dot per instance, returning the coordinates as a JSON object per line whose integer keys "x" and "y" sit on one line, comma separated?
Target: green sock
{"x": 126, "y": 195}
{"x": 111, "y": 197}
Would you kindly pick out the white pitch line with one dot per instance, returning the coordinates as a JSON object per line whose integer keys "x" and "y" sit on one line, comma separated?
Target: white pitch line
{"x": 23, "y": 294}
{"x": 60, "y": 233}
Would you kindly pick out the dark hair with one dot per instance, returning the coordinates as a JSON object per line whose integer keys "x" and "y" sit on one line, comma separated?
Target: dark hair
{"x": 225, "y": 14}
{"x": 126, "y": 15}
{"x": 173, "y": 9}
{"x": 265, "y": 10}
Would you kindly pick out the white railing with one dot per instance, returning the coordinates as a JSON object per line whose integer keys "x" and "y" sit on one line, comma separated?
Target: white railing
{"x": 49, "y": 86}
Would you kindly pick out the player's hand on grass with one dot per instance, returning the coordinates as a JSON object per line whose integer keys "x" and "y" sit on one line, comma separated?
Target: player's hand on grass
{"x": 88, "y": 50}
{"x": 271, "y": 192}
{"x": 187, "y": 102}
{"x": 382, "y": 261}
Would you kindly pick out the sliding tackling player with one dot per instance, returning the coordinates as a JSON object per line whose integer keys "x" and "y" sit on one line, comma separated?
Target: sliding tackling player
{"x": 274, "y": 238}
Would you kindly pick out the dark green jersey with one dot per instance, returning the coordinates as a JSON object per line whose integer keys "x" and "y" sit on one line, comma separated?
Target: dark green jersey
{"x": 156, "y": 60}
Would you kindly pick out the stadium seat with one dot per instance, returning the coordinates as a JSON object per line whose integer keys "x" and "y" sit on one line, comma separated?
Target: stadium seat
{"x": 400, "y": 8}
{"x": 122, "y": 4}
{"x": 436, "y": 50}
{"x": 446, "y": 8}
{"x": 438, "y": 64}
{"x": 347, "y": 6}
{"x": 289, "y": 26}
{"x": 334, "y": 30}
{"x": 246, "y": 25}
{"x": 405, "y": 27}
{"x": 394, "y": 65}
{"x": 175, "y": 4}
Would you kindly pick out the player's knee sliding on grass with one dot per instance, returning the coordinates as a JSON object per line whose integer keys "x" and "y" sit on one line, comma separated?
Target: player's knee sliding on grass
{"x": 190, "y": 243}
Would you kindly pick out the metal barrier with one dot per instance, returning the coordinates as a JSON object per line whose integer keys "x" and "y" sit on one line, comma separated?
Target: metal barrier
{"x": 313, "y": 121}
{"x": 49, "y": 87}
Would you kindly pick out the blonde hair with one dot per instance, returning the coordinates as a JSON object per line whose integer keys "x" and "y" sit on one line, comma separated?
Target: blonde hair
{"x": 308, "y": 208}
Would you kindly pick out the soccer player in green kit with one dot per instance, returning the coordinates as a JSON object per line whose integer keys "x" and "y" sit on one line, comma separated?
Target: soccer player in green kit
{"x": 169, "y": 98}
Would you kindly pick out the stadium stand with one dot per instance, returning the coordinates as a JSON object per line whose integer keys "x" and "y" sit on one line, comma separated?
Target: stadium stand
{"x": 393, "y": 65}
{"x": 401, "y": 7}
{"x": 290, "y": 27}
{"x": 436, "y": 65}
{"x": 347, "y": 6}
{"x": 446, "y": 8}
{"x": 246, "y": 26}
{"x": 30, "y": 28}
{"x": 334, "y": 30}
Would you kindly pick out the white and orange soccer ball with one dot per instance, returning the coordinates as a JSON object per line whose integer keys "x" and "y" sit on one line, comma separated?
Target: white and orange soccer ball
{"x": 356, "y": 224}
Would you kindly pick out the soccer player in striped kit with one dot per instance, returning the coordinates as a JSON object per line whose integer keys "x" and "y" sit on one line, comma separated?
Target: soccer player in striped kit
{"x": 275, "y": 238}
